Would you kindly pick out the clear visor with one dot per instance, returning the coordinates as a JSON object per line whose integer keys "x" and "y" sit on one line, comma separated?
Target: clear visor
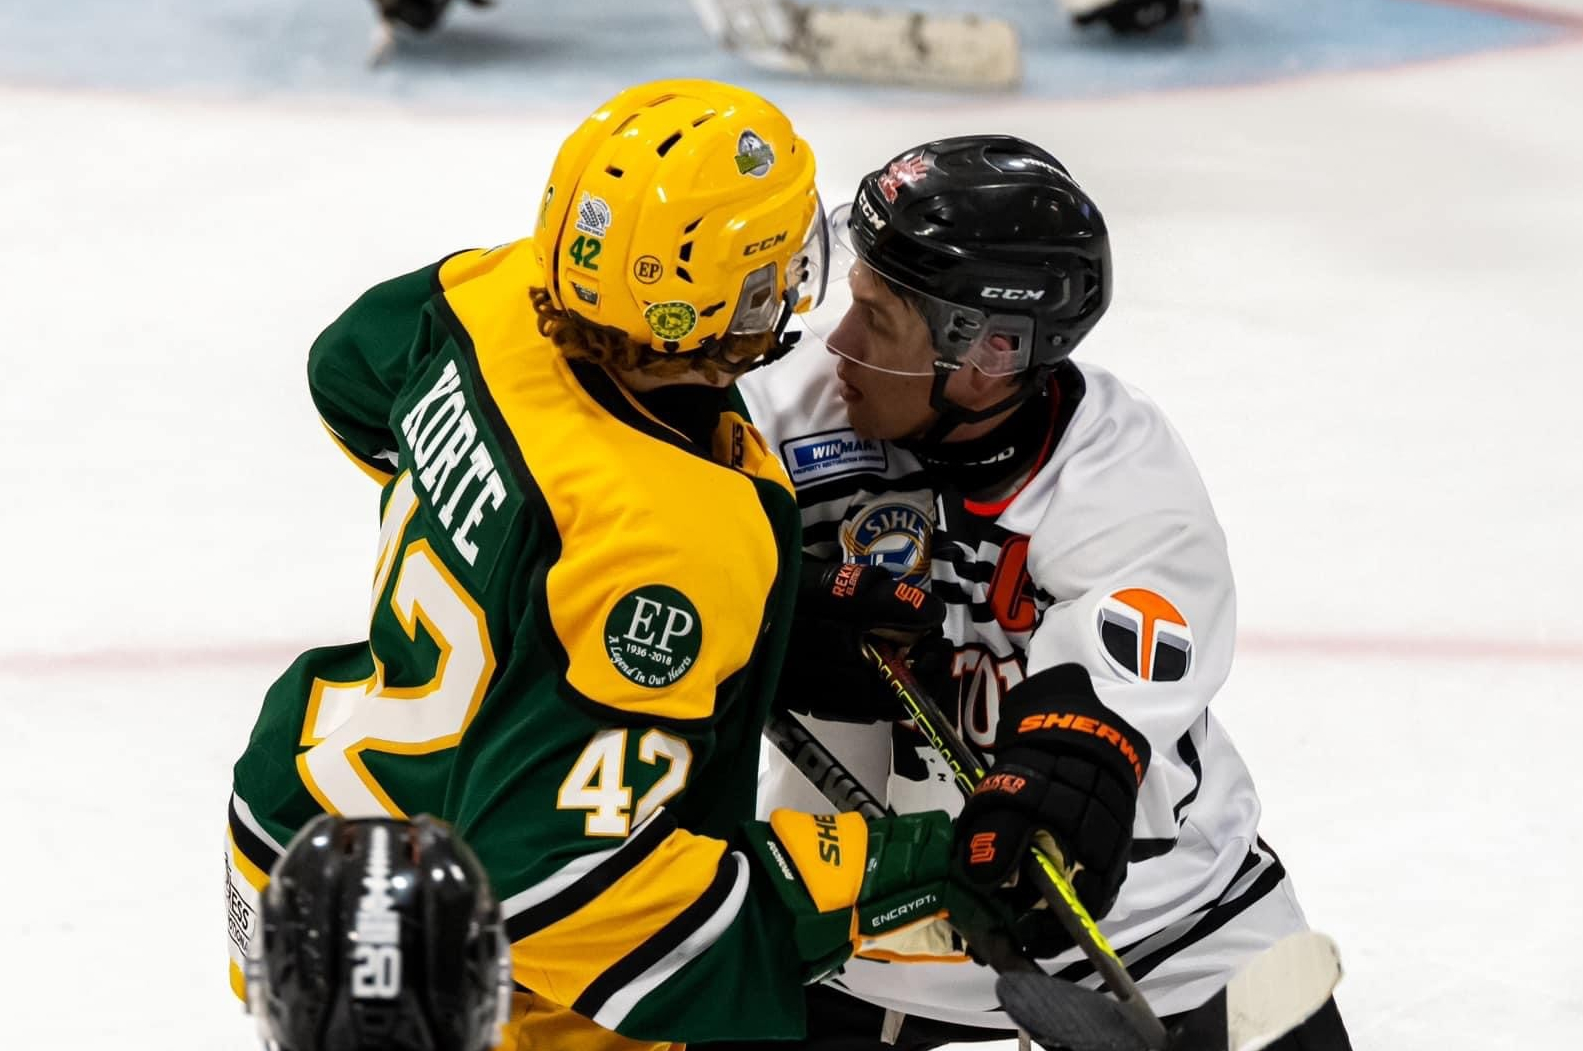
{"x": 801, "y": 288}
{"x": 887, "y": 325}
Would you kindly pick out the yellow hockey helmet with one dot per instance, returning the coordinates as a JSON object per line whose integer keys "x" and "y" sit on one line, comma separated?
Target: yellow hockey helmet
{"x": 681, "y": 212}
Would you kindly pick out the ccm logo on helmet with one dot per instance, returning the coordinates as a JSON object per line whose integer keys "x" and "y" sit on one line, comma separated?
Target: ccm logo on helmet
{"x": 870, "y": 213}
{"x": 1012, "y": 294}
{"x": 764, "y": 245}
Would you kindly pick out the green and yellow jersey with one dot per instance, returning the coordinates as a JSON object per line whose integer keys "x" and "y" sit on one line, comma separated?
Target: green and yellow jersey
{"x": 577, "y": 618}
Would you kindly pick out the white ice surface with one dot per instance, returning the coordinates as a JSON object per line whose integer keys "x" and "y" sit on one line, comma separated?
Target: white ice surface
{"x": 1360, "y": 298}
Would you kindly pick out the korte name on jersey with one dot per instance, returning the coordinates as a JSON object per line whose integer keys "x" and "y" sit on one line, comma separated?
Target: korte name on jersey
{"x": 443, "y": 436}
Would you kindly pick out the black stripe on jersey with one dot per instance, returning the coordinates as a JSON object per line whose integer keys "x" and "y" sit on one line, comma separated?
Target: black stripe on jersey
{"x": 949, "y": 593}
{"x": 1189, "y": 754}
{"x": 248, "y": 844}
{"x": 1144, "y": 849}
{"x": 659, "y": 945}
{"x": 603, "y": 876}
{"x": 815, "y": 533}
{"x": 967, "y": 566}
{"x": 850, "y": 485}
{"x": 960, "y": 526}
{"x": 980, "y": 613}
{"x": 1204, "y": 923}
{"x": 1217, "y": 917}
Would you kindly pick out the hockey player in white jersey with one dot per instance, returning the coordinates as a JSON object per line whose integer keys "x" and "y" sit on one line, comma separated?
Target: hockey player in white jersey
{"x": 950, "y": 439}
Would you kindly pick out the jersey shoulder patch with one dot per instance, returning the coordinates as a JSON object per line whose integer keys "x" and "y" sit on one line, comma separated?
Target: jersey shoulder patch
{"x": 813, "y": 458}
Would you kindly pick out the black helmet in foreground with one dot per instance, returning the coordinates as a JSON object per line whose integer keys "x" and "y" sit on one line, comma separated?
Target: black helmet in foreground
{"x": 421, "y": 15}
{"x": 379, "y": 935}
{"x": 988, "y": 234}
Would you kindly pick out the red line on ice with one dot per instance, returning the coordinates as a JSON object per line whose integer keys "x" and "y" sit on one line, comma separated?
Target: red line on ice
{"x": 111, "y": 660}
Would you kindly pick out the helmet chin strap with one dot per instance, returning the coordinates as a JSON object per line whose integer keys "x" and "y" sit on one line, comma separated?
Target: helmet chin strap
{"x": 952, "y": 415}
{"x": 784, "y": 341}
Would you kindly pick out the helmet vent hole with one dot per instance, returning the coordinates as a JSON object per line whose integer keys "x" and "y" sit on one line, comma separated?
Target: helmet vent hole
{"x": 690, "y": 227}
{"x": 939, "y": 218}
{"x": 682, "y": 273}
{"x": 686, "y": 253}
{"x": 706, "y": 116}
{"x": 613, "y": 171}
{"x": 665, "y": 147}
{"x": 711, "y": 310}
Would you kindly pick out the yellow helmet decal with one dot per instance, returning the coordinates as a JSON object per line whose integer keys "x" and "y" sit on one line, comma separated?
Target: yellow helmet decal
{"x": 665, "y": 201}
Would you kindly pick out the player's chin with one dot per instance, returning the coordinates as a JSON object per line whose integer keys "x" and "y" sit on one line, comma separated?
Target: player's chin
{"x": 869, "y": 420}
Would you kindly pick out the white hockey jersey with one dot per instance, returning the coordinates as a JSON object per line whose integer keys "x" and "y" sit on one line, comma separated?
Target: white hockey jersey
{"x": 1109, "y": 556}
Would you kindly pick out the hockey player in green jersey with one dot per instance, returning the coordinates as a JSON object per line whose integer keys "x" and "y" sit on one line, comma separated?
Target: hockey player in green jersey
{"x": 585, "y": 576}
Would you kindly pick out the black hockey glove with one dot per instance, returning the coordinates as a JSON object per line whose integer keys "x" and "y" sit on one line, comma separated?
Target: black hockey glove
{"x": 838, "y": 604}
{"x": 1066, "y": 765}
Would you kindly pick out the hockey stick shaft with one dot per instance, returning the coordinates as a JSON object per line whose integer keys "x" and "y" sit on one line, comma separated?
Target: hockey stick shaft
{"x": 967, "y": 770}
{"x": 823, "y": 770}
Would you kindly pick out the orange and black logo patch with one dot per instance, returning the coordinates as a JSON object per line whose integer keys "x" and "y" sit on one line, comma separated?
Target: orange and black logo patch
{"x": 1010, "y": 784}
{"x": 1144, "y": 636}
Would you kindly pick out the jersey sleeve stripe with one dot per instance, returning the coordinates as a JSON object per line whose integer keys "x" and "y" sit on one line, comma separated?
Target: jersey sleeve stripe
{"x": 257, "y": 847}
{"x": 581, "y": 880}
{"x": 1260, "y": 873}
{"x": 1267, "y": 875}
{"x": 590, "y": 933}
{"x": 612, "y": 996}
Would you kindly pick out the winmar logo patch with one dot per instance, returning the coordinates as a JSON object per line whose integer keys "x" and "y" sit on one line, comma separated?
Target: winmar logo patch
{"x": 653, "y": 635}
{"x": 828, "y": 454}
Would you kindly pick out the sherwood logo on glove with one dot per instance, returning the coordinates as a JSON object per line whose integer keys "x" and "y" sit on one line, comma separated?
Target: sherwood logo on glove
{"x": 829, "y": 838}
{"x": 1084, "y": 724}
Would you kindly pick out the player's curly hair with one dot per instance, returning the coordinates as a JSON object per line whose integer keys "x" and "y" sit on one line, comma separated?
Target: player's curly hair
{"x": 582, "y": 340}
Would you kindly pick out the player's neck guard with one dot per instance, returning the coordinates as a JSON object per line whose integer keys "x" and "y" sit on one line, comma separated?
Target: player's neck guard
{"x": 981, "y": 464}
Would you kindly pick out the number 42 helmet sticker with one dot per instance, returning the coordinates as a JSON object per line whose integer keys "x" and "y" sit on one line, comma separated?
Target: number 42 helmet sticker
{"x": 1144, "y": 636}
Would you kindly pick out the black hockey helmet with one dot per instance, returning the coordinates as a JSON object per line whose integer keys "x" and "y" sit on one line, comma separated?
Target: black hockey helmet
{"x": 995, "y": 244}
{"x": 1137, "y": 17}
{"x": 997, "y": 236}
{"x": 421, "y": 15}
{"x": 379, "y": 935}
